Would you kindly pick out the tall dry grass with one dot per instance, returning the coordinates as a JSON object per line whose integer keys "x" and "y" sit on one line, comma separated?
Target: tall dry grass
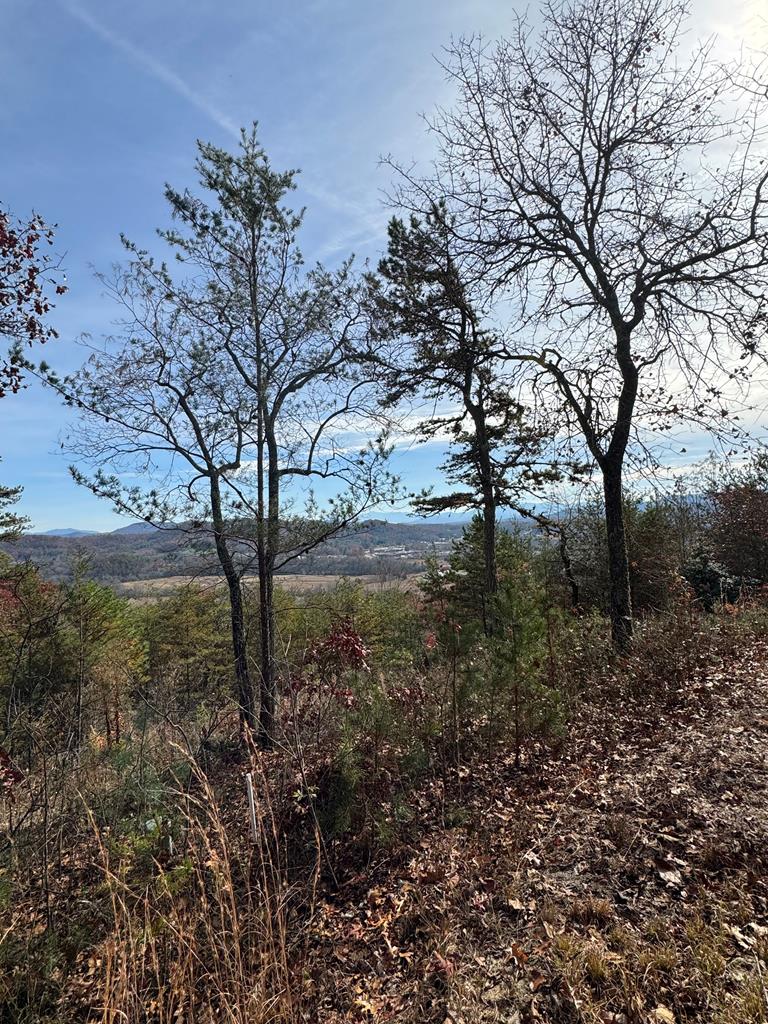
{"x": 210, "y": 937}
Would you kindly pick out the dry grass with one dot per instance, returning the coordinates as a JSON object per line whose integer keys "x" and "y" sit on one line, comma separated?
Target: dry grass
{"x": 619, "y": 880}
{"x": 294, "y": 583}
{"x": 209, "y": 939}
{"x": 197, "y": 932}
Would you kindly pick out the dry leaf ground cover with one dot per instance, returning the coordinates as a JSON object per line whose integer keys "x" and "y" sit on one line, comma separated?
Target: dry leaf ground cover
{"x": 619, "y": 878}
{"x": 625, "y": 881}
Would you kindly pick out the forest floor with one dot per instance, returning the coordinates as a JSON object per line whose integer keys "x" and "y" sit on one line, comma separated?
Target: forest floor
{"x": 620, "y": 879}
{"x": 624, "y": 881}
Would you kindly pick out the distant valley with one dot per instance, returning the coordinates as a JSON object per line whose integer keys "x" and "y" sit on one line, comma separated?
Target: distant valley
{"x": 143, "y": 552}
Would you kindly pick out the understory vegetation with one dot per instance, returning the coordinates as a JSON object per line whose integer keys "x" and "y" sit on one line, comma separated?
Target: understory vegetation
{"x": 450, "y": 826}
{"x": 519, "y": 775}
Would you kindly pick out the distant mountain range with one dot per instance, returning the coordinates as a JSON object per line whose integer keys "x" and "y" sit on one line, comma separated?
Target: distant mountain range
{"x": 66, "y": 532}
{"x": 132, "y": 528}
{"x": 397, "y": 519}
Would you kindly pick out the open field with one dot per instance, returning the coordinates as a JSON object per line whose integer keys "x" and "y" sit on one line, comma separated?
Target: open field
{"x": 297, "y": 583}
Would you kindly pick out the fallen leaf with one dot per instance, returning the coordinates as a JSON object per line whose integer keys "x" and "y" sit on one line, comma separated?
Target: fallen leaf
{"x": 663, "y": 1015}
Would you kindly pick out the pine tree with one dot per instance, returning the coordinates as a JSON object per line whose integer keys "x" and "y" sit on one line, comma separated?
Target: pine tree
{"x": 436, "y": 313}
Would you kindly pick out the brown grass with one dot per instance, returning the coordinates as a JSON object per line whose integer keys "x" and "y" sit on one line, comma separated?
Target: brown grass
{"x": 208, "y": 939}
{"x": 294, "y": 583}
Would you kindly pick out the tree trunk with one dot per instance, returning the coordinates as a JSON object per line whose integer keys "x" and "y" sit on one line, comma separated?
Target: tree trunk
{"x": 565, "y": 559}
{"x": 244, "y": 688}
{"x": 269, "y": 534}
{"x": 485, "y": 467}
{"x": 268, "y": 681}
{"x": 618, "y": 559}
{"x": 489, "y": 559}
{"x": 240, "y": 651}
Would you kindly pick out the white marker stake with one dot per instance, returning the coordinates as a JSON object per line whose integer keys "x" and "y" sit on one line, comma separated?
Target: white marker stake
{"x": 251, "y": 804}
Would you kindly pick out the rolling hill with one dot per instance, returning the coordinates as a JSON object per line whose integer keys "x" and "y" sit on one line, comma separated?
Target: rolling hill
{"x": 140, "y": 551}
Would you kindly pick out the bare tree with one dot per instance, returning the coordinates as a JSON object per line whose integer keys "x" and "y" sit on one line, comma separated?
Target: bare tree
{"x": 617, "y": 187}
{"x": 234, "y": 379}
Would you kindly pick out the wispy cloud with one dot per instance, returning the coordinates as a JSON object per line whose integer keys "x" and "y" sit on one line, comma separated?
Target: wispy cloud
{"x": 152, "y": 66}
{"x": 367, "y": 221}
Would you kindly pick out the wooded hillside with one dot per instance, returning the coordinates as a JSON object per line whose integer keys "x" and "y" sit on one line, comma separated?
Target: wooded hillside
{"x": 267, "y": 757}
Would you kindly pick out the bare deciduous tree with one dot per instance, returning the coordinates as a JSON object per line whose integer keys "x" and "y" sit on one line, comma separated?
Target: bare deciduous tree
{"x": 617, "y": 186}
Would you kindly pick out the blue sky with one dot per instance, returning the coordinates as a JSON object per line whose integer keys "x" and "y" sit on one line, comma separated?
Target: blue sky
{"x": 102, "y": 103}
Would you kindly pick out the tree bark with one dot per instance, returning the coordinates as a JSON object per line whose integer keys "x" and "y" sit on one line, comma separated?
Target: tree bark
{"x": 485, "y": 474}
{"x": 570, "y": 578}
{"x": 243, "y": 685}
{"x": 268, "y": 682}
{"x": 490, "y": 570}
{"x": 240, "y": 652}
{"x": 269, "y": 537}
{"x": 620, "y": 596}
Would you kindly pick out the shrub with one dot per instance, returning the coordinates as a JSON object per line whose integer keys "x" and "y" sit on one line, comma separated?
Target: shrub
{"x": 711, "y": 582}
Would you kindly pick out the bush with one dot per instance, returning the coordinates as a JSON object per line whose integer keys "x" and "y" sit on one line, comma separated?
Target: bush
{"x": 712, "y": 584}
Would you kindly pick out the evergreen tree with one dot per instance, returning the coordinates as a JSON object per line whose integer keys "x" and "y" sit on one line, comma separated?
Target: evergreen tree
{"x": 234, "y": 388}
{"x": 436, "y": 311}
{"x": 12, "y": 525}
